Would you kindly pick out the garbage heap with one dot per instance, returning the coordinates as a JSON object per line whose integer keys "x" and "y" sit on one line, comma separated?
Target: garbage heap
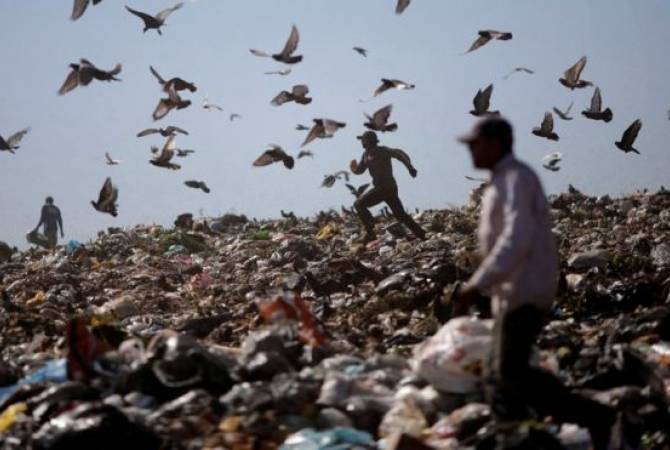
{"x": 231, "y": 333}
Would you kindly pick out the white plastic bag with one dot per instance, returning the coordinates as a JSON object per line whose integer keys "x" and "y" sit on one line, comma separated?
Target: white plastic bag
{"x": 452, "y": 360}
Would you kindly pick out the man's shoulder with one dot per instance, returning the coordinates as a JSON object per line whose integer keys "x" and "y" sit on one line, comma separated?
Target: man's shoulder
{"x": 522, "y": 169}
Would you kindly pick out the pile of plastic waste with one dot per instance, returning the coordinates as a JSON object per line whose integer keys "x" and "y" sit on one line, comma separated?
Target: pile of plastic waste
{"x": 230, "y": 333}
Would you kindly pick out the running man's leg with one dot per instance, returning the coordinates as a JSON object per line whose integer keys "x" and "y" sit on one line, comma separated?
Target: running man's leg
{"x": 369, "y": 199}
{"x": 399, "y": 212}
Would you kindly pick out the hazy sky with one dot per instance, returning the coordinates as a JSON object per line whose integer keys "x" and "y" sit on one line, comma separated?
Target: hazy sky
{"x": 208, "y": 42}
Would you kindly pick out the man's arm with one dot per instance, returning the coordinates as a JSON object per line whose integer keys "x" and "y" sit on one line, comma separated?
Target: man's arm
{"x": 60, "y": 223}
{"x": 43, "y": 217}
{"x": 403, "y": 158}
{"x": 358, "y": 167}
{"x": 515, "y": 240}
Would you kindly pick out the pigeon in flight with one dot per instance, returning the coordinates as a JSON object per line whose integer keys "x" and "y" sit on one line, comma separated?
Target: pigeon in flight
{"x": 596, "y": 112}
{"x": 401, "y": 6}
{"x": 198, "y": 185}
{"x": 111, "y": 161}
{"x": 165, "y": 132}
{"x": 564, "y": 115}
{"x": 157, "y": 21}
{"x": 551, "y": 161}
{"x": 392, "y": 84}
{"x": 485, "y": 36}
{"x": 286, "y": 55}
{"x": 13, "y": 141}
{"x": 83, "y": 73}
{"x": 301, "y": 127}
{"x": 379, "y": 120}
{"x": 305, "y": 154}
{"x": 482, "y": 102}
{"x": 107, "y": 199}
{"x": 571, "y": 78}
{"x": 322, "y": 128}
{"x": 211, "y": 106}
{"x": 282, "y": 72}
{"x": 361, "y": 51}
{"x": 329, "y": 180}
{"x": 272, "y": 155}
{"x": 163, "y": 159}
{"x": 298, "y": 94}
{"x": 546, "y": 129}
{"x": 172, "y": 101}
{"x": 80, "y": 7}
{"x": 234, "y": 116}
{"x": 357, "y": 191}
{"x": 287, "y": 215}
{"x": 517, "y": 70}
{"x": 628, "y": 138}
{"x": 173, "y": 84}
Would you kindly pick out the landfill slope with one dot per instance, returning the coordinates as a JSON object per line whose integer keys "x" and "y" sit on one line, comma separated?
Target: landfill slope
{"x": 371, "y": 305}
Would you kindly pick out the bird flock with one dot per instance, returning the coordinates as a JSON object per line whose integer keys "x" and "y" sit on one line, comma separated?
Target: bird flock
{"x": 175, "y": 90}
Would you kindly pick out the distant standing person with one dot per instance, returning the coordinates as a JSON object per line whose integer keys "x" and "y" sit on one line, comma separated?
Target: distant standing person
{"x": 519, "y": 270}
{"x": 377, "y": 159}
{"x": 51, "y": 219}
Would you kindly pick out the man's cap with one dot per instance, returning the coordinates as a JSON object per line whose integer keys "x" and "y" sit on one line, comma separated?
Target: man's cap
{"x": 368, "y": 136}
{"x": 490, "y": 128}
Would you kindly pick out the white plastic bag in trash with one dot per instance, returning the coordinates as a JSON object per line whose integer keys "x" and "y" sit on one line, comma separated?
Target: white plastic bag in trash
{"x": 452, "y": 360}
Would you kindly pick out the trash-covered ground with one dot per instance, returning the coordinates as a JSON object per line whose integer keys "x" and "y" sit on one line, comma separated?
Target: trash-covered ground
{"x": 235, "y": 334}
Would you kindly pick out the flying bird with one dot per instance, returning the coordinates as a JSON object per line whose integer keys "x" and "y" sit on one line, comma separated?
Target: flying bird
{"x": 286, "y": 55}
{"x": 198, "y": 185}
{"x": 571, "y": 78}
{"x": 111, "y": 161}
{"x": 83, "y": 73}
{"x": 166, "y": 154}
{"x": 401, "y": 6}
{"x": 357, "y": 191}
{"x": 211, "y": 106}
{"x": 392, "y": 84}
{"x": 379, "y": 120}
{"x": 157, "y": 21}
{"x": 165, "y": 132}
{"x": 183, "y": 153}
{"x": 172, "y": 101}
{"x": 485, "y": 36}
{"x": 107, "y": 199}
{"x": 298, "y": 94}
{"x": 13, "y": 141}
{"x": 287, "y": 215}
{"x": 517, "y": 70}
{"x": 80, "y": 6}
{"x": 322, "y": 128}
{"x": 596, "y": 112}
{"x": 564, "y": 115}
{"x": 361, "y": 51}
{"x": 329, "y": 180}
{"x": 173, "y": 84}
{"x": 482, "y": 102}
{"x": 282, "y": 72}
{"x": 234, "y": 116}
{"x": 551, "y": 161}
{"x": 305, "y": 153}
{"x": 546, "y": 129}
{"x": 274, "y": 154}
{"x": 301, "y": 127}
{"x": 628, "y": 138}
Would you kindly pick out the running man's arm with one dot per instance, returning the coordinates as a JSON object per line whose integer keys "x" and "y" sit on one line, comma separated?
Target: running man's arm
{"x": 358, "y": 167}
{"x": 403, "y": 158}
